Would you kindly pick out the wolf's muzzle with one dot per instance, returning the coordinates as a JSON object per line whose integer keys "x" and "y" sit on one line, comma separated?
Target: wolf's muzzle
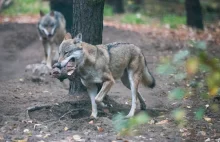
{"x": 57, "y": 65}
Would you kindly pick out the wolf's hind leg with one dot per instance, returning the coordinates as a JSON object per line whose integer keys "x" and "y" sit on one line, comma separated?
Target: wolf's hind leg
{"x": 125, "y": 81}
{"x": 56, "y": 52}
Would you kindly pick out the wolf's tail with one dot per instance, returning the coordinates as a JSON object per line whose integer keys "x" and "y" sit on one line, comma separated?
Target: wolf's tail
{"x": 147, "y": 78}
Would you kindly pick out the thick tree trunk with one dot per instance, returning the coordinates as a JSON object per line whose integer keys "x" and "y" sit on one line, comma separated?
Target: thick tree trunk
{"x": 117, "y": 5}
{"x": 88, "y": 20}
{"x": 66, "y": 8}
{"x": 194, "y": 14}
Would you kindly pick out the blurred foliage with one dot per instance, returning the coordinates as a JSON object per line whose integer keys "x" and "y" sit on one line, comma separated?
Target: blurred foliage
{"x": 108, "y": 10}
{"x": 125, "y": 126}
{"x": 196, "y": 71}
{"x": 173, "y": 20}
{"x": 133, "y": 19}
{"x": 160, "y": 12}
{"x": 26, "y": 7}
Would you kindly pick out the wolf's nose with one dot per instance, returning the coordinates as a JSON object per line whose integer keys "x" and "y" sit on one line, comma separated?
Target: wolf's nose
{"x": 57, "y": 65}
{"x": 50, "y": 35}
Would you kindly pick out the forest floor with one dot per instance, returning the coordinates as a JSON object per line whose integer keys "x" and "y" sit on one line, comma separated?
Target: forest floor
{"x": 65, "y": 118}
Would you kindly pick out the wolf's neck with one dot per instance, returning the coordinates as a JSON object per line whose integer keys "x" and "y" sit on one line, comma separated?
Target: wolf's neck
{"x": 89, "y": 54}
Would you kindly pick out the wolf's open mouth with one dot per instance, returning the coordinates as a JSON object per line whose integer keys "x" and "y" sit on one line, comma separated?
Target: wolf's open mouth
{"x": 70, "y": 67}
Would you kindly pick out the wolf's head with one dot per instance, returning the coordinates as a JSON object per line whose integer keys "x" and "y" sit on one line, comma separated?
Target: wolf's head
{"x": 70, "y": 51}
{"x": 47, "y": 25}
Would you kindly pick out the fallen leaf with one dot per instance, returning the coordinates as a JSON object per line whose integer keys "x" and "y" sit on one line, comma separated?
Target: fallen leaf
{"x": 39, "y": 136}
{"x": 35, "y": 125}
{"x": 24, "y": 140}
{"x": 208, "y": 140}
{"x": 106, "y": 110}
{"x": 213, "y": 91}
{"x": 201, "y": 133}
{"x": 77, "y": 137}
{"x": 207, "y": 105}
{"x": 91, "y": 122}
{"x": 21, "y": 80}
{"x": 192, "y": 65}
{"x": 100, "y": 129}
{"x": 66, "y": 128}
{"x": 47, "y": 135}
{"x": 26, "y": 131}
{"x": 162, "y": 122}
{"x": 152, "y": 121}
{"x": 207, "y": 119}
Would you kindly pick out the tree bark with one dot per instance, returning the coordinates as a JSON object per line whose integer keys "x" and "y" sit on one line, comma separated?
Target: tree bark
{"x": 88, "y": 20}
{"x": 194, "y": 14}
{"x": 66, "y": 8}
{"x": 117, "y": 5}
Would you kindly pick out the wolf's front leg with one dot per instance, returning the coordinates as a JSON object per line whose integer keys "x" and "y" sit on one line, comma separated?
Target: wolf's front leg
{"x": 104, "y": 90}
{"x": 92, "y": 90}
{"x": 49, "y": 58}
{"x": 45, "y": 44}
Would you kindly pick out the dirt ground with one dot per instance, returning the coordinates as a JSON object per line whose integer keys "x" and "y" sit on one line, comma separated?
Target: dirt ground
{"x": 65, "y": 118}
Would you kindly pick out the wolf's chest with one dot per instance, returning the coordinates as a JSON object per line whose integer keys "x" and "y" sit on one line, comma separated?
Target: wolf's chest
{"x": 91, "y": 74}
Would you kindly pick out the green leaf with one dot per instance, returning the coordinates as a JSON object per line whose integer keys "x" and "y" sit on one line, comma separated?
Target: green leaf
{"x": 180, "y": 76}
{"x": 179, "y": 114}
{"x": 165, "y": 69}
{"x": 204, "y": 68}
{"x": 199, "y": 114}
{"x": 182, "y": 54}
{"x": 177, "y": 93}
{"x": 119, "y": 122}
{"x": 201, "y": 45}
{"x": 141, "y": 118}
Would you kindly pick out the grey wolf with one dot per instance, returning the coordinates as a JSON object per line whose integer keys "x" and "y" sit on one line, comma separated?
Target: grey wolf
{"x": 103, "y": 64}
{"x": 52, "y": 29}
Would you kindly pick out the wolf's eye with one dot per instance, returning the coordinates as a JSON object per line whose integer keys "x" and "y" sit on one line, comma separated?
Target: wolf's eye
{"x": 65, "y": 52}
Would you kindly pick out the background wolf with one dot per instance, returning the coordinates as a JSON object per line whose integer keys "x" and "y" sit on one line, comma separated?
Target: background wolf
{"x": 103, "y": 64}
{"x": 52, "y": 29}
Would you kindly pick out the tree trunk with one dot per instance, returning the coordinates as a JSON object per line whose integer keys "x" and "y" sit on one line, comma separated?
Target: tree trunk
{"x": 66, "y": 8}
{"x": 88, "y": 20}
{"x": 194, "y": 14}
{"x": 117, "y": 5}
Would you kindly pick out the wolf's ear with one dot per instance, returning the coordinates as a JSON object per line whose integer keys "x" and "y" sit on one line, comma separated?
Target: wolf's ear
{"x": 78, "y": 38}
{"x": 68, "y": 36}
{"x": 52, "y": 13}
{"x": 41, "y": 13}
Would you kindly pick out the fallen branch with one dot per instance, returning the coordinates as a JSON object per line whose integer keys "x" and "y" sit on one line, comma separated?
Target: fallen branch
{"x": 34, "y": 108}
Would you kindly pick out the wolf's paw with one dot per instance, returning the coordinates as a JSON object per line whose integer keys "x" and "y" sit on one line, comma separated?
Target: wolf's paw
{"x": 93, "y": 116}
{"x": 131, "y": 114}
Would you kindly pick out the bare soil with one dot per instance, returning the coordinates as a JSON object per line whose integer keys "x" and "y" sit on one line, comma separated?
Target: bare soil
{"x": 35, "y": 111}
